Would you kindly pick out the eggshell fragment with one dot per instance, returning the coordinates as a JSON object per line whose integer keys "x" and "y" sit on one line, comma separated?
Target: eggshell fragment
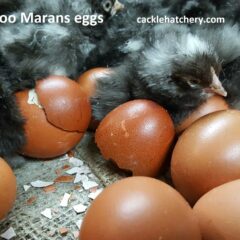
{"x": 8, "y": 188}
{"x": 41, "y": 184}
{"x": 65, "y": 199}
{"x": 9, "y": 234}
{"x": 63, "y": 231}
{"x": 137, "y": 136}
{"x": 64, "y": 179}
{"x": 80, "y": 208}
{"x": 31, "y": 200}
{"x": 66, "y": 105}
{"x": 26, "y": 187}
{"x": 213, "y": 104}
{"x": 47, "y": 213}
{"x": 207, "y": 154}
{"x": 218, "y": 212}
{"x": 139, "y": 208}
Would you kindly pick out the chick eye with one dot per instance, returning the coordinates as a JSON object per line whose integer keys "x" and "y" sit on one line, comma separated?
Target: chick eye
{"x": 193, "y": 81}
{"x": 107, "y": 5}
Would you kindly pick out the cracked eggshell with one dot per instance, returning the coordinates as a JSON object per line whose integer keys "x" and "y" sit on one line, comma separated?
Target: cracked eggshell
{"x": 136, "y": 136}
{"x": 8, "y": 188}
{"x": 213, "y": 104}
{"x": 44, "y": 140}
{"x": 218, "y": 212}
{"x": 207, "y": 154}
{"x": 88, "y": 81}
{"x": 139, "y": 208}
{"x": 65, "y": 103}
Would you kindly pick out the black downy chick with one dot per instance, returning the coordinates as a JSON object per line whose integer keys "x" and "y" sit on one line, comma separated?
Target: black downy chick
{"x": 170, "y": 65}
{"x": 223, "y": 37}
{"x": 226, "y": 43}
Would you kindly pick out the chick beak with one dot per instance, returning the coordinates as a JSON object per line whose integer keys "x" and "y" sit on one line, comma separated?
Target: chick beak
{"x": 216, "y": 86}
{"x": 116, "y": 7}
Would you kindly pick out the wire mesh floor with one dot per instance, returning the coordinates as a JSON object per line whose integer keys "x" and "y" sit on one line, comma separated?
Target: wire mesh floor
{"x": 26, "y": 219}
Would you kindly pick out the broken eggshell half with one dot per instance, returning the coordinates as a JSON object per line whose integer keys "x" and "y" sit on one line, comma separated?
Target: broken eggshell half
{"x": 137, "y": 136}
{"x": 57, "y": 113}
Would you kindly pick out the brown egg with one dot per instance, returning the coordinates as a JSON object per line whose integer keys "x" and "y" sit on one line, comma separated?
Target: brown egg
{"x": 218, "y": 212}
{"x": 213, "y": 104}
{"x": 139, "y": 208}
{"x": 57, "y": 126}
{"x": 8, "y": 188}
{"x": 88, "y": 82}
{"x": 207, "y": 154}
{"x": 137, "y": 136}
